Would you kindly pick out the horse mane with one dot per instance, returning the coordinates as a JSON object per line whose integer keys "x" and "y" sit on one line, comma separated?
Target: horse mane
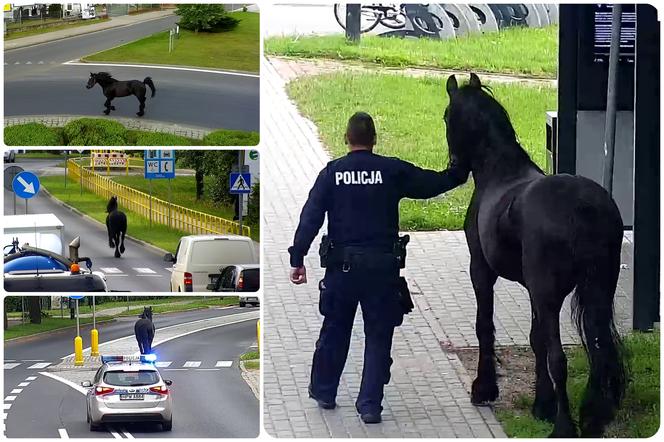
{"x": 491, "y": 130}
{"x": 112, "y": 205}
{"x": 104, "y": 76}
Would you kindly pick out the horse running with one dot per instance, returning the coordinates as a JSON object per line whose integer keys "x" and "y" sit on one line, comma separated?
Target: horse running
{"x": 553, "y": 235}
{"x": 113, "y": 88}
{"x": 116, "y": 226}
{"x": 144, "y": 331}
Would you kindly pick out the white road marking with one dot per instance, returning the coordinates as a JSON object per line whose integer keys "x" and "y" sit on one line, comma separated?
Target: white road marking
{"x": 39, "y": 365}
{"x": 33, "y": 360}
{"x": 31, "y": 378}
{"x": 170, "y": 269}
{"x": 63, "y": 433}
{"x": 41, "y": 62}
{"x": 115, "y": 434}
{"x": 16, "y": 391}
{"x": 126, "y": 433}
{"x": 172, "y": 68}
{"x": 110, "y": 270}
{"x": 190, "y": 364}
{"x": 24, "y": 384}
{"x": 6, "y": 406}
{"x": 29, "y": 62}
{"x": 162, "y": 364}
{"x": 207, "y": 369}
{"x": 9, "y": 366}
{"x": 4, "y": 416}
{"x": 144, "y": 270}
{"x": 76, "y": 387}
{"x": 224, "y": 364}
{"x": 175, "y": 369}
{"x": 10, "y": 398}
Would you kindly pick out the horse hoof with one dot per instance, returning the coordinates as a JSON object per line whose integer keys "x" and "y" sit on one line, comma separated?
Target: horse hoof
{"x": 111, "y": 245}
{"x": 140, "y": 114}
{"x": 112, "y": 107}
{"x": 483, "y": 393}
{"x": 567, "y": 431}
{"x": 122, "y": 249}
{"x": 107, "y": 112}
{"x": 117, "y": 254}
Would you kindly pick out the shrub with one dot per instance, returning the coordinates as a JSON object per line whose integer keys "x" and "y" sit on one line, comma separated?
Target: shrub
{"x": 32, "y": 134}
{"x": 231, "y": 138}
{"x": 205, "y": 18}
{"x": 254, "y": 205}
{"x": 140, "y": 138}
{"x": 95, "y": 132}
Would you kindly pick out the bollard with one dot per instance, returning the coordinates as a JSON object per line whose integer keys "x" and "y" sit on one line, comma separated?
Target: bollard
{"x": 78, "y": 351}
{"x": 94, "y": 342}
{"x": 258, "y": 335}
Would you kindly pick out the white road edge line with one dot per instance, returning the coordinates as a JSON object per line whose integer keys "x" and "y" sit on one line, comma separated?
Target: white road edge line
{"x": 81, "y": 390}
{"x": 63, "y": 433}
{"x": 115, "y": 434}
{"x": 174, "y": 68}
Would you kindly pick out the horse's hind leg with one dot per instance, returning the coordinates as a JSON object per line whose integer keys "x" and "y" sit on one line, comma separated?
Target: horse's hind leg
{"x": 141, "y": 107}
{"x": 109, "y": 108}
{"x": 117, "y": 243}
{"x": 122, "y": 237}
{"x": 485, "y": 387}
{"x": 544, "y": 407}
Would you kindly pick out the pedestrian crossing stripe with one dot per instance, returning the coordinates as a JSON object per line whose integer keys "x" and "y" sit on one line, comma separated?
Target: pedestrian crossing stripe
{"x": 10, "y": 365}
{"x": 10, "y": 398}
{"x": 39, "y": 365}
{"x": 111, "y": 270}
{"x": 6, "y": 406}
{"x": 144, "y": 270}
{"x": 23, "y": 384}
{"x": 189, "y": 364}
{"x": 16, "y": 391}
{"x": 31, "y": 378}
{"x": 224, "y": 364}
{"x": 162, "y": 364}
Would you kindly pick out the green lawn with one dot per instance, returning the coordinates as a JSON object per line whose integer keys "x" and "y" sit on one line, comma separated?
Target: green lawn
{"x": 35, "y": 30}
{"x": 183, "y": 193}
{"x": 238, "y": 49}
{"x": 639, "y": 414}
{"x": 40, "y": 155}
{"x": 47, "y": 324}
{"x": 408, "y": 113}
{"x": 524, "y": 51}
{"x": 197, "y": 303}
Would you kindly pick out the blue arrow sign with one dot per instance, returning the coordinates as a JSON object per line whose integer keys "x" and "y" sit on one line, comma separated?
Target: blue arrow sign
{"x": 240, "y": 183}
{"x": 25, "y": 185}
{"x": 77, "y": 296}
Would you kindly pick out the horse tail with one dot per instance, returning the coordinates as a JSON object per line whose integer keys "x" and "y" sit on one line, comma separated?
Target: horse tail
{"x": 148, "y": 81}
{"x": 598, "y": 259}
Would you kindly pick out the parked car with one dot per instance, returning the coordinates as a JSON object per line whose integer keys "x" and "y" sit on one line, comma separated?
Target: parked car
{"x": 200, "y": 259}
{"x": 128, "y": 389}
{"x": 10, "y": 156}
{"x": 239, "y": 278}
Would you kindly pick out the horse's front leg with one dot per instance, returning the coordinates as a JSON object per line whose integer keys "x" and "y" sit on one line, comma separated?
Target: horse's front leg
{"x": 485, "y": 387}
{"x": 545, "y": 406}
{"x": 110, "y": 235}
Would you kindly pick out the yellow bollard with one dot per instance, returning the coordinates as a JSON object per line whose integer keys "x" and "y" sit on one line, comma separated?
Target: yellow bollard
{"x": 258, "y": 335}
{"x": 78, "y": 350}
{"x": 94, "y": 342}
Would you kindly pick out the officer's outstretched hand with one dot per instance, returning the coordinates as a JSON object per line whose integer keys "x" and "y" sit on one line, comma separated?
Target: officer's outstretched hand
{"x": 298, "y": 275}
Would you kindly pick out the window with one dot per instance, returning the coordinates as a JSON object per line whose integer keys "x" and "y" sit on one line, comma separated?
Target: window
{"x": 222, "y": 252}
{"x": 131, "y": 378}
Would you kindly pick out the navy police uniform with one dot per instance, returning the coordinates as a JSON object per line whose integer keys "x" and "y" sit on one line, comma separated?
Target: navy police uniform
{"x": 360, "y": 193}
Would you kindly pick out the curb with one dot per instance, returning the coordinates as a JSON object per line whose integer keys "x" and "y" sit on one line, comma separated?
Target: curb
{"x": 249, "y": 378}
{"x": 91, "y": 31}
{"x": 54, "y": 330}
{"x": 140, "y": 242}
{"x": 56, "y": 120}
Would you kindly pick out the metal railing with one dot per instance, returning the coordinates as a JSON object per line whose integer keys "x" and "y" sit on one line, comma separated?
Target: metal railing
{"x": 160, "y": 211}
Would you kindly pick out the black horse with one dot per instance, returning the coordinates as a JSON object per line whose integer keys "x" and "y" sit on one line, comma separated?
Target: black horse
{"x": 116, "y": 225}
{"x": 113, "y": 88}
{"x": 552, "y": 234}
{"x": 144, "y": 331}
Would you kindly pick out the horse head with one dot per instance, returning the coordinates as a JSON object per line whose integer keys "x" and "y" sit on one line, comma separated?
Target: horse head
{"x": 477, "y": 125}
{"x": 147, "y": 313}
{"x": 112, "y": 204}
{"x": 102, "y": 78}
{"x": 92, "y": 81}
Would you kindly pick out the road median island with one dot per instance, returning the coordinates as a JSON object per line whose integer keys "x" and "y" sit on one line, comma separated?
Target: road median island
{"x": 421, "y": 138}
{"x": 78, "y": 130}
{"x": 462, "y": 53}
{"x": 238, "y": 49}
{"x": 250, "y": 365}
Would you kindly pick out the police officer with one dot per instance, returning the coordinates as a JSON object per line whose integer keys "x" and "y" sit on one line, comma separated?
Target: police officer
{"x": 360, "y": 193}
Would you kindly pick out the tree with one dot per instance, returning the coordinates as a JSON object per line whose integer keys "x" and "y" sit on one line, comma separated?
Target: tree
{"x": 195, "y": 159}
{"x": 213, "y": 165}
{"x": 205, "y": 18}
{"x": 34, "y": 309}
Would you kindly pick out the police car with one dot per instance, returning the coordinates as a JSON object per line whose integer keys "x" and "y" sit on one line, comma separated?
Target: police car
{"x": 31, "y": 269}
{"x": 128, "y": 389}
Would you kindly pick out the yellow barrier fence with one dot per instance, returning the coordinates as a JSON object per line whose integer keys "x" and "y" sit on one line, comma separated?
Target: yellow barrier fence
{"x": 163, "y": 212}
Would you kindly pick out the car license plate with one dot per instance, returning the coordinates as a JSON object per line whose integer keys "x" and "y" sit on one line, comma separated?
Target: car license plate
{"x": 131, "y": 397}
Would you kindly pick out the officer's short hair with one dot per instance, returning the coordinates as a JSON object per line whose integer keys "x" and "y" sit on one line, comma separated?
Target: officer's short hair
{"x": 361, "y": 130}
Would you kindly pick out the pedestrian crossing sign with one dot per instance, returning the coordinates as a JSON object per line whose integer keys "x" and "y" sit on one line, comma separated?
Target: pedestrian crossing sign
{"x": 240, "y": 183}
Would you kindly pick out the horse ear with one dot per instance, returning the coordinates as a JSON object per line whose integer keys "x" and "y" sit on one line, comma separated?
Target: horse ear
{"x": 475, "y": 81}
{"x": 451, "y": 85}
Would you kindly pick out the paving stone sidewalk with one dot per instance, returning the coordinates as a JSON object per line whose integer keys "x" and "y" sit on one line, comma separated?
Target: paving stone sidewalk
{"x": 428, "y": 395}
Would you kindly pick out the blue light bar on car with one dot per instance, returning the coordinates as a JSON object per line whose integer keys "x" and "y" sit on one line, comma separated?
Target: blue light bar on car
{"x": 149, "y": 358}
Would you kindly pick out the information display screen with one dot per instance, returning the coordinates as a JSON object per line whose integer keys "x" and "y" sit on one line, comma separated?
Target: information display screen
{"x": 602, "y": 33}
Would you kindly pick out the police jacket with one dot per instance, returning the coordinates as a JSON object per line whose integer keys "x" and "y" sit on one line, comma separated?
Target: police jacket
{"x": 360, "y": 193}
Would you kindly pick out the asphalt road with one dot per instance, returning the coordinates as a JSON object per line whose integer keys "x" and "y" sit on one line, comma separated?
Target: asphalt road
{"x": 206, "y": 403}
{"x": 124, "y": 274}
{"x": 37, "y": 82}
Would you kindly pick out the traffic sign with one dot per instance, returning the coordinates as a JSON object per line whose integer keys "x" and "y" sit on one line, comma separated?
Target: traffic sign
{"x": 77, "y": 296}
{"x": 253, "y": 154}
{"x": 25, "y": 185}
{"x": 240, "y": 183}
{"x": 159, "y": 164}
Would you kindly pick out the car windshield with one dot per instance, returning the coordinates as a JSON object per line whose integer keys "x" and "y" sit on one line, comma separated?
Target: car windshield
{"x": 251, "y": 280}
{"x": 131, "y": 378}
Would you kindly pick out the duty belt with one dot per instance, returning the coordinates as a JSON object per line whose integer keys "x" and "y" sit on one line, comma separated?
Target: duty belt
{"x": 364, "y": 257}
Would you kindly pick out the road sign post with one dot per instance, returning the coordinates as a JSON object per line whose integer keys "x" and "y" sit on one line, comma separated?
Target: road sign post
{"x": 159, "y": 164}
{"x": 65, "y": 169}
{"x": 78, "y": 341}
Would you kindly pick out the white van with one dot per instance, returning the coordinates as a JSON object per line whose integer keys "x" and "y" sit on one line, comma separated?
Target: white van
{"x": 199, "y": 259}
{"x": 44, "y": 231}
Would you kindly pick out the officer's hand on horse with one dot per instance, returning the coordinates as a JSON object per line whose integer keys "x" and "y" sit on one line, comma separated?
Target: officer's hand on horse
{"x": 298, "y": 275}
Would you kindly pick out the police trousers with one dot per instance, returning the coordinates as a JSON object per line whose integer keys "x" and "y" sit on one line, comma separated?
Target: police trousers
{"x": 340, "y": 294}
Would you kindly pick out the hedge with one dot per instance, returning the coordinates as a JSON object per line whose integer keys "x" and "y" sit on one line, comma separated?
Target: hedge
{"x": 32, "y": 134}
{"x": 95, "y": 132}
{"x": 140, "y": 138}
{"x": 225, "y": 137}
